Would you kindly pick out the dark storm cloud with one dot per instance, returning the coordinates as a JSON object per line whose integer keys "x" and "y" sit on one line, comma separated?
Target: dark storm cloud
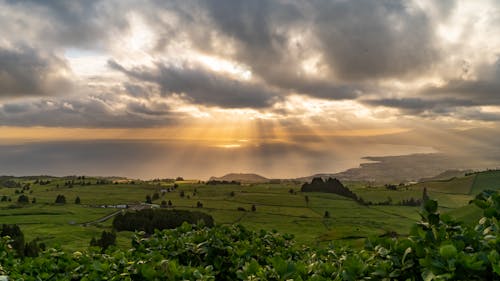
{"x": 26, "y": 72}
{"x": 374, "y": 39}
{"x": 359, "y": 40}
{"x": 88, "y": 112}
{"x": 480, "y": 92}
{"x": 203, "y": 86}
{"x": 357, "y": 45}
{"x": 82, "y": 24}
{"x": 262, "y": 31}
{"x": 456, "y": 97}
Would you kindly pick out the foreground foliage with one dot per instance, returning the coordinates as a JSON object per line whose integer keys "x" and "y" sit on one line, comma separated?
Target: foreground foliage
{"x": 438, "y": 248}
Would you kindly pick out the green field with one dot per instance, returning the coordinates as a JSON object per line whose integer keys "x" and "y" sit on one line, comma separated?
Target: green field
{"x": 73, "y": 225}
{"x": 486, "y": 180}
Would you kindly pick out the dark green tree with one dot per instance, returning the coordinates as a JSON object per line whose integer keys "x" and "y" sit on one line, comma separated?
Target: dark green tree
{"x": 156, "y": 196}
{"x": 60, "y": 199}
{"x": 17, "y": 236}
{"x": 107, "y": 239}
{"x": 425, "y": 196}
{"x": 23, "y": 199}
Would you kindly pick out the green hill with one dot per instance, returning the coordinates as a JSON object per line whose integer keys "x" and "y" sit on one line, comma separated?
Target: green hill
{"x": 241, "y": 177}
{"x": 462, "y": 185}
{"x": 486, "y": 180}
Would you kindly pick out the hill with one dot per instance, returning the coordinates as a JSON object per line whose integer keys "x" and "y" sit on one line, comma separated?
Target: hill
{"x": 486, "y": 180}
{"x": 446, "y": 175}
{"x": 471, "y": 183}
{"x": 241, "y": 177}
{"x": 455, "y": 185}
{"x": 397, "y": 169}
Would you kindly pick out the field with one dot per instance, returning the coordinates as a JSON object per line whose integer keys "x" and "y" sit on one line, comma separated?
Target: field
{"x": 72, "y": 225}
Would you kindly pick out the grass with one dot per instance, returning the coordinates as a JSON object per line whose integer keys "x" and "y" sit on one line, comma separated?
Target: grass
{"x": 462, "y": 185}
{"x": 276, "y": 208}
{"x": 486, "y": 180}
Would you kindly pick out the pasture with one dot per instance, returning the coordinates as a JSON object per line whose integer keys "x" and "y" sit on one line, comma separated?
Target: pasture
{"x": 277, "y": 206}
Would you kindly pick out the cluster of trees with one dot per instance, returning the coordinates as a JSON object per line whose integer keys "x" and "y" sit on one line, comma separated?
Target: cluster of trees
{"x": 42, "y": 182}
{"x": 165, "y": 204}
{"x": 331, "y": 185}
{"x": 30, "y": 249}
{"x": 11, "y": 183}
{"x": 391, "y": 187}
{"x": 23, "y": 199}
{"x": 60, "y": 199}
{"x": 107, "y": 239}
{"x": 71, "y": 183}
{"x": 150, "y": 219}
{"x": 335, "y": 186}
{"x": 412, "y": 202}
{"x": 167, "y": 180}
{"x": 216, "y": 182}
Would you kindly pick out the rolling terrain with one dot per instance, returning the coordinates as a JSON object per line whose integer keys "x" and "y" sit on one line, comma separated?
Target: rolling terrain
{"x": 277, "y": 206}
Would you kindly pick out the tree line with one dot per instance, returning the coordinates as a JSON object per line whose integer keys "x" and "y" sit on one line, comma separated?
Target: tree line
{"x": 150, "y": 219}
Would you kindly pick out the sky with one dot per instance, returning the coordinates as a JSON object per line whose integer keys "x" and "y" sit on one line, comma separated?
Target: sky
{"x": 285, "y": 88}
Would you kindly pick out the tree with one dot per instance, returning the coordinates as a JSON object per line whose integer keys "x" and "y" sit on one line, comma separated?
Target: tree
{"x": 31, "y": 249}
{"x": 23, "y": 199}
{"x": 60, "y": 199}
{"x": 77, "y": 200}
{"x": 156, "y": 196}
{"x": 425, "y": 196}
{"x": 17, "y": 236}
{"x": 327, "y": 214}
{"x": 107, "y": 239}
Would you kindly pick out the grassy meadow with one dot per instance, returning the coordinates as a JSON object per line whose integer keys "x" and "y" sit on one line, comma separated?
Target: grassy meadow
{"x": 278, "y": 206}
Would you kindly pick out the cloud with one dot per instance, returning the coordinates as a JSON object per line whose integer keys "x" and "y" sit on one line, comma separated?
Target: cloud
{"x": 55, "y": 24}
{"x": 332, "y": 50}
{"x": 105, "y": 111}
{"x": 26, "y": 72}
{"x": 203, "y": 86}
{"x": 459, "y": 98}
{"x": 375, "y": 39}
